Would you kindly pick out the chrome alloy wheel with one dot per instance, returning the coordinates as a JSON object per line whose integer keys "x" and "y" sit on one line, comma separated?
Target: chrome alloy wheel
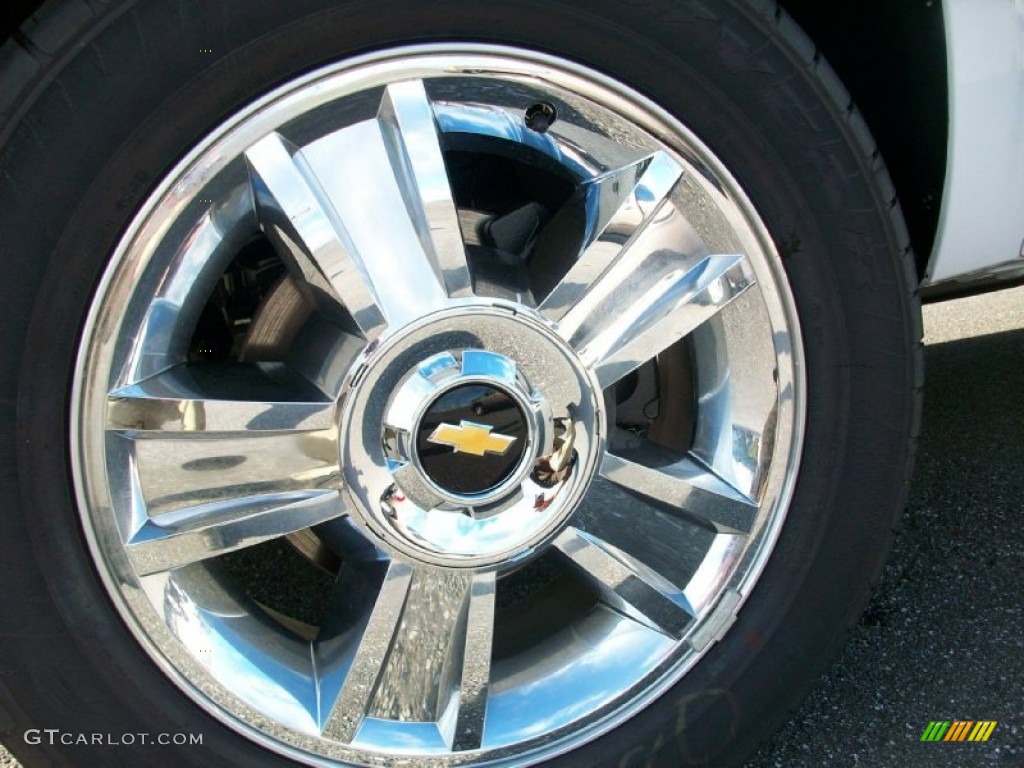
{"x": 525, "y": 392}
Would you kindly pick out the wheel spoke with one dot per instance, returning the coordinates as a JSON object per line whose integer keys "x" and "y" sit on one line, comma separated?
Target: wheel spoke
{"x": 616, "y": 206}
{"x": 630, "y": 302}
{"x": 300, "y": 221}
{"x": 646, "y": 533}
{"x": 410, "y": 135}
{"x": 200, "y": 260}
{"x": 688, "y": 489}
{"x": 202, "y": 400}
{"x": 386, "y": 184}
{"x": 344, "y": 707}
{"x": 196, "y": 533}
{"x": 423, "y": 657}
{"x": 475, "y": 672}
{"x": 625, "y": 583}
{"x": 179, "y": 473}
{"x": 655, "y": 308}
{"x": 211, "y": 473}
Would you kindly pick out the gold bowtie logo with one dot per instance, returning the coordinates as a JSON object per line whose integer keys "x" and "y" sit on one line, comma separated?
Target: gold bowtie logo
{"x": 471, "y": 438}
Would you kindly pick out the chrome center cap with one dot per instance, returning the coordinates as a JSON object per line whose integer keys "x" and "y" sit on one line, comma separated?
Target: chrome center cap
{"x": 470, "y": 426}
{"x": 469, "y": 438}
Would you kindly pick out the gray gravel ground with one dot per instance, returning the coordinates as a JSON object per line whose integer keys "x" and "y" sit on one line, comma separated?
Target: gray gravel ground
{"x": 943, "y": 638}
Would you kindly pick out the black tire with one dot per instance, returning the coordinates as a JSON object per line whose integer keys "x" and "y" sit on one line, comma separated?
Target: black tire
{"x": 100, "y": 100}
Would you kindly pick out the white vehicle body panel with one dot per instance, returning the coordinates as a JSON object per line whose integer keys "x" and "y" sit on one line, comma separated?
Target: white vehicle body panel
{"x": 981, "y": 225}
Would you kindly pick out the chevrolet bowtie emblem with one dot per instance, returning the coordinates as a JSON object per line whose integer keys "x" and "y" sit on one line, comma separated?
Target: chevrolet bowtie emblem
{"x": 471, "y": 438}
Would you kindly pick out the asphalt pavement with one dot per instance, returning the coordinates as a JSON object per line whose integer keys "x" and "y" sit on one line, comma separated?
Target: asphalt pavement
{"x": 943, "y": 638}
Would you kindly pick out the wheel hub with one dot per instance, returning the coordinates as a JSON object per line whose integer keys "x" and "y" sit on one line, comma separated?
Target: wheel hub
{"x": 476, "y": 454}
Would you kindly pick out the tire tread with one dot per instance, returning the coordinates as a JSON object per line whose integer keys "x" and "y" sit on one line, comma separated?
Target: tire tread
{"x": 36, "y": 52}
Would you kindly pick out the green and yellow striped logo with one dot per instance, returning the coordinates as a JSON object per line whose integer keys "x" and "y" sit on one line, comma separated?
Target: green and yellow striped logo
{"x": 958, "y": 730}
